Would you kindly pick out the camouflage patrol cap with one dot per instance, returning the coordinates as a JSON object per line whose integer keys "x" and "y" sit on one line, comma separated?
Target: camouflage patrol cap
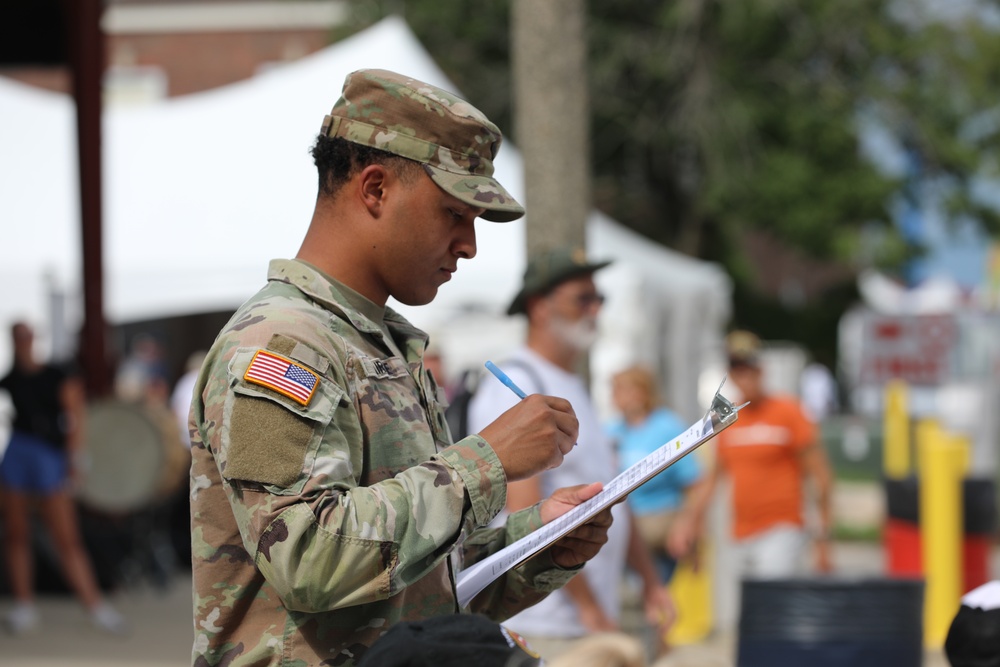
{"x": 454, "y": 141}
{"x": 547, "y": 269}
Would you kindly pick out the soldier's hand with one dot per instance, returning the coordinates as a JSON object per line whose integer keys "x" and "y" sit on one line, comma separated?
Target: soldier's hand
{"x": 583, "y": 542}
{"x": 533, "y": 436}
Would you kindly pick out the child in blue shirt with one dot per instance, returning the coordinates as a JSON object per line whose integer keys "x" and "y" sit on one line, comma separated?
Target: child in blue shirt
{"x": 643, "y": 427}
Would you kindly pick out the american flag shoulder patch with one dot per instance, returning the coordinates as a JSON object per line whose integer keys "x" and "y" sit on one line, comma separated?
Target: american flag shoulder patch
{"x": 283, "y": 376}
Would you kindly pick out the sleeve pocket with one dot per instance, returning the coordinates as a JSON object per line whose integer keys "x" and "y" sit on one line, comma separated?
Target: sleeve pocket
{"x": 271, "y": 439}
{"x": 268, "y": 442}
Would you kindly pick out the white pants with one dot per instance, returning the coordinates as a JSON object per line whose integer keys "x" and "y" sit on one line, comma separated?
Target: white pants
{"x": 776, "y": 553}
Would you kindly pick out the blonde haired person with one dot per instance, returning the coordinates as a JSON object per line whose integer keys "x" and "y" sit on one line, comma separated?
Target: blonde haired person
{"x": 643, "y": 426}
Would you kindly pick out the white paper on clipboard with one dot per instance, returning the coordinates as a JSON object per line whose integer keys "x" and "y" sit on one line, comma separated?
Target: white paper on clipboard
{"x": 472, "y": 580}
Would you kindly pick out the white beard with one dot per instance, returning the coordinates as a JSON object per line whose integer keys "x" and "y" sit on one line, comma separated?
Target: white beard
{"x": 580, "y": 335}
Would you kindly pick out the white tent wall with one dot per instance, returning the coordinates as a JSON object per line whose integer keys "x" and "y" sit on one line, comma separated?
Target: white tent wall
{"x": 38, "y": 205}
{"x": 672, "y": 317}
{"x": 201, "y": 191}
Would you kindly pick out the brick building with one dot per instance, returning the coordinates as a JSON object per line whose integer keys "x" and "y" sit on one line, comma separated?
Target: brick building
{"x": 165, "y": 48}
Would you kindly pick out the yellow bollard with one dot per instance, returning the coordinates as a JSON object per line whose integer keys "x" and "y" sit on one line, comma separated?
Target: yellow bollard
{"x": 896, "y": 431}
{"x": 692, "y": 593}
{"x": 943, "y": 462}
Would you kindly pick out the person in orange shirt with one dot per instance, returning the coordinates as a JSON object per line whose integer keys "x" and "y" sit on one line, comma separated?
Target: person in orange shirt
{"x": 769, "y": 453}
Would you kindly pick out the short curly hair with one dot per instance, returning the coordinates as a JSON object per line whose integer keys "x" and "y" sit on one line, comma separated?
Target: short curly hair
{"x": 337, "y": 160}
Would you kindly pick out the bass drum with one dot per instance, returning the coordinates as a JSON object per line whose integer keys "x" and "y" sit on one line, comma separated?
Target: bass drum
{"x": 134, "y": 457}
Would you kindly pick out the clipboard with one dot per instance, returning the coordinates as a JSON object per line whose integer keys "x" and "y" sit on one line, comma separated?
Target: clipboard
{"x": 721, "y": 415}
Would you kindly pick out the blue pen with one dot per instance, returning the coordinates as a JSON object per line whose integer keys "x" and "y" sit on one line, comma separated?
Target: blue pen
{"x": 500, "y": 375}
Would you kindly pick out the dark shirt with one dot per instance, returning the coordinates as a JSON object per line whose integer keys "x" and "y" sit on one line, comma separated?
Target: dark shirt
{"x": 39, "y": 411}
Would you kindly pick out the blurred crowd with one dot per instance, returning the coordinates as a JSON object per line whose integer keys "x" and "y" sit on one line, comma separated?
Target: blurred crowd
{"x": 773, "y": 458}
{"x": 93, "y": 493}
{"x": 103, "y": 543}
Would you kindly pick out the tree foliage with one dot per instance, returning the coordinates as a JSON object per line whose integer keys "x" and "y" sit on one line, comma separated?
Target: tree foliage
{"x": 712, "y": 118}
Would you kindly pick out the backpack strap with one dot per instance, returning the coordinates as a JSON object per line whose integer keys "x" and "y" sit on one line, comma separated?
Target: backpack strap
{"x": 536, "y": 379}
{"x": 457, "y": 413}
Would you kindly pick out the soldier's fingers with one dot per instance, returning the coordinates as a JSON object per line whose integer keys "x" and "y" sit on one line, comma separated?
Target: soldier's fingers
{"x": 570, "y": 552}
{"x": 567, "y": 423}
{"x": 556, "y": 458}
{"x": 560, "y": 405}
{"x": 603, "y": 519}
{"x": 588, "y": 533}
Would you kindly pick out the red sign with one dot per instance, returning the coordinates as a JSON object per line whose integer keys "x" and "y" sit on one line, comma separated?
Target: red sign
{"x": 914, "y": 348}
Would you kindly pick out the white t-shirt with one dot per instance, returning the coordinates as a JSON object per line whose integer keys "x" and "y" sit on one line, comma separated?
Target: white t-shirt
{"x": 818, "y": 389}
{"x": 180, "y": 403}
{"x": 592, "y": 460}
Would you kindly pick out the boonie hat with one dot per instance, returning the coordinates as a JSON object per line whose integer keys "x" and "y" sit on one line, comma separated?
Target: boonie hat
{"x": 454, "y": 141}
{"x": 743, "y": 348}
{"x": 451, "y": 640}
{"x": 547, "y": 269}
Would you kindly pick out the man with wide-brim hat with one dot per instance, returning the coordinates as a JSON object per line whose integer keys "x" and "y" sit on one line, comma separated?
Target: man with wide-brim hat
{"x": 547, "y": 270}
{"x": 560, "y": 299}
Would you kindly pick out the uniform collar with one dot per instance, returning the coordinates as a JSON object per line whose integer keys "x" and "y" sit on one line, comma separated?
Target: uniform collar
{"x": 365, "y": 315}
{"x": 330, "y": 293}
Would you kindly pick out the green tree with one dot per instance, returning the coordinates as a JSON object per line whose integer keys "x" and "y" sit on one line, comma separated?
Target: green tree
{"x": 713, "y": 119}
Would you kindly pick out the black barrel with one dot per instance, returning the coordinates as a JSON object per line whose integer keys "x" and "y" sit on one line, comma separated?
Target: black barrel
{"x": 902, "y": 499}
{"x": 831, "y": 622}
{"x": 979, "y": 501}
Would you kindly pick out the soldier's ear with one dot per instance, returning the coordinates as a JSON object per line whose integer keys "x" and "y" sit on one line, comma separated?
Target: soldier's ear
{"x": 371, "y": 183}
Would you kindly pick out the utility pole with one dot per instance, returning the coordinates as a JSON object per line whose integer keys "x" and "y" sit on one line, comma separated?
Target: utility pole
{"x": 552, "y": 119}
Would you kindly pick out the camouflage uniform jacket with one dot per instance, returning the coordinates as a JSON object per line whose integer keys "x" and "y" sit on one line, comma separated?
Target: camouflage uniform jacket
{"x": 319, "y": 521}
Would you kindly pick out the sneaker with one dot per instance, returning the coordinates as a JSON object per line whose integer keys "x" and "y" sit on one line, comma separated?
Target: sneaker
{"x": 106, "y": 618}
{"x": 23, "y": 618}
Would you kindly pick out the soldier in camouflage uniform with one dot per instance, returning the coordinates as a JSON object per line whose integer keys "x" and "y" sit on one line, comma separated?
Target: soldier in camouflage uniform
{"x": 328, "y": 501}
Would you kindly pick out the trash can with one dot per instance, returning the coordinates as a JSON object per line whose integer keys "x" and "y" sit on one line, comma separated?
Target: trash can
{"x": 831, "y": 623}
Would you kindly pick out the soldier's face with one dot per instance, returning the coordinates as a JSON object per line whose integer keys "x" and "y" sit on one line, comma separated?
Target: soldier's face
{"x": 428, "y": 232}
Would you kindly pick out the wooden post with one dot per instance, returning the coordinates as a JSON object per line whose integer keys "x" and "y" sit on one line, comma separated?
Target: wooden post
{"x": 87, "y": 62}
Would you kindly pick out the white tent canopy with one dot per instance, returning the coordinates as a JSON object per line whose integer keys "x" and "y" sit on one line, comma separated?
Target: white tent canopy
{"x": 201, "y": 191}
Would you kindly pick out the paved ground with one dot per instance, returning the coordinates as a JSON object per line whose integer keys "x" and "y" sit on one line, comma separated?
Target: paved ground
{"x": 720, "y": 651}
{"x": 160, "y": 637}
{"x": 161, "y": 629}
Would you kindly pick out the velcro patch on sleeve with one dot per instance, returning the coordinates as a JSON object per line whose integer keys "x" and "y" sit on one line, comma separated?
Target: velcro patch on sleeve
{"x": 283, "y": 376}
{"x": 268, "y": 442}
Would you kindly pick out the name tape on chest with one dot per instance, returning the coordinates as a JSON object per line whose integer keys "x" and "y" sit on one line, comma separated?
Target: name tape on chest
{"x": 283, "y": 376}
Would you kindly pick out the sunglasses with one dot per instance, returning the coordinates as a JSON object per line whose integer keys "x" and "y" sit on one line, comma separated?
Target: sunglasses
{"x": 585, "y": 301}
